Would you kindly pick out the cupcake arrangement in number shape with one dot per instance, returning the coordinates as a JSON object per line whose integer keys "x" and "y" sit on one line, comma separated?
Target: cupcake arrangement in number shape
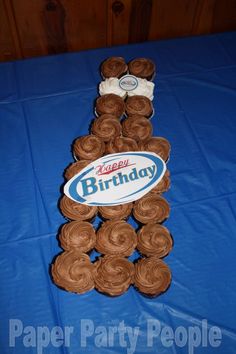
{"x": 122, "y": 123}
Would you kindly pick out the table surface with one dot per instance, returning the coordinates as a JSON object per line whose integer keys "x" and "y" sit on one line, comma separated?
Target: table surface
{"x": 45, "y": 103}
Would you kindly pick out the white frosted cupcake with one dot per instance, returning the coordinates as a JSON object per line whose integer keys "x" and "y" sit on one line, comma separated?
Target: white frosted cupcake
{"x": 144, "y": 88}
{"x": 111, "y": 85}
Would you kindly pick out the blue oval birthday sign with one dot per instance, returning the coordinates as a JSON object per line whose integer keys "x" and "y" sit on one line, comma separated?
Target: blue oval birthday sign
{"x": 116, "y": 179}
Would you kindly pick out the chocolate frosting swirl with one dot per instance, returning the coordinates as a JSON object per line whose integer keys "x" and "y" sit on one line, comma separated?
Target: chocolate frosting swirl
{"x": 75, "y": 168}
{"x": 78, "y": 235}
{"x": 140, "y": 105}
{"x": 142, "y": 67}
{"x": 158, "y": 145}
{"x": 106, "y": 127}
{"x": 111, "y": 104}
{"x": 121, "y": 144}
{"x": 121, "y": 211}
{"x": 116, "y": 237}
{"x": 114, "y": 67}
{"x": 151, "y": 208}
{"x": 152, "y": 276}
{"x": 73, "y": 272}
{"x": 163, "y": 185}
{"x": 88, "y": 147}
{"x": 113, "y": 275}
{"x": 76, "y": 211}
{"x": 137, "y": 127}
{"x": 154, "y": 240}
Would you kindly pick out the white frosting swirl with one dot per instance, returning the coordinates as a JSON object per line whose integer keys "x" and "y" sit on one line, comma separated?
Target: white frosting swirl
{"x": 111, "y": 85}
{"x": 144, "y": 88}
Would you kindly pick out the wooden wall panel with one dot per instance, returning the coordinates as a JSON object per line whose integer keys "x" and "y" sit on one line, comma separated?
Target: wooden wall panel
{"x": 85, "y": 23}
{"x": 224, "y": 16}
{"x": 31, "y": 28}
{"x": 9, "y": 48}
{"x": 118, "y": 15}
{"x": 28, "y": 18}
{"x": 53, "y": 17}
{"x": 203, "y": 18}
{"x": 141, "y": 14}
{"x": 176, "y": 18}
{"x": 214, "y": 16}
{"x": 57, "y": 26}
{"x": 172, "y": 18}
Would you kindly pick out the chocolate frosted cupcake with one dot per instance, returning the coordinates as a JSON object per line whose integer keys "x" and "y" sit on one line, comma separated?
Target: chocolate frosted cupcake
{"x": 110, "y": 104}
{"x": 88, "y": 147}
{"x": 76, "y": 211}
{"x": 113, "y": 275}
{"x": 139, "y": 105}
{"x": 106, "y": 127}
{"x": 79, "y": 235}
{"x": 73, "y": 272}
{"x": 142, "y": 67}
{"x": 154, "y": 240}
{"x": 121, "y": 211}
{"x": 121, "y": 144}
{"x": 151, "y": 208}
{"x": 114, "y": 67}
{"x": 158, "y": 145}
{"x": 163, "y": 185}
{"x": 152, "y": 276}
{"x": 137, "y": 127}
{"x": 75, "y": 168}
{"x": 116, "y": 237}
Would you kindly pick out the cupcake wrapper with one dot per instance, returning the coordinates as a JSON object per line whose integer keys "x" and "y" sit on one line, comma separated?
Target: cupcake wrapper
{"x": 98, "y": 115}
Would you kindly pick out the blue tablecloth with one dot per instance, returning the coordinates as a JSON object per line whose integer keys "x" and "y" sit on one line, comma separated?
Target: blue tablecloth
{"x": 45, "y": 103}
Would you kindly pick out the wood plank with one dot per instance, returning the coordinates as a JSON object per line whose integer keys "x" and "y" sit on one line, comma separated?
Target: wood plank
{"x": 172, "y": 18}
{"x": 202, "y": 22}
{"x": 118, "y": 21}
{"x": 214, "y": 16}
{"x": 53, "y": 19}
{"x": 141, "y": 14}
{"x": 85, "y": 23}
{"x": 57, "y": 26}
{"x": 9, "y": 45}
{"x": 33, "y": 37}
{"x": 224, "y": 16}
{"x": 39, "y": 27}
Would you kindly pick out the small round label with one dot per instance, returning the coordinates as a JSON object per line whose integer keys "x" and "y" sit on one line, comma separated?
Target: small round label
{"x": 128, "y": 83}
